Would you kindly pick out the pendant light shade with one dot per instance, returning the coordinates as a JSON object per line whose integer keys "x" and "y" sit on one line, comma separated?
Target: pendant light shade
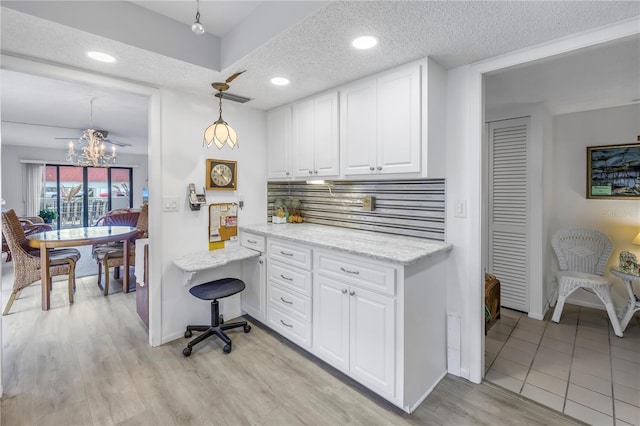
{"x": 220, "y": 133}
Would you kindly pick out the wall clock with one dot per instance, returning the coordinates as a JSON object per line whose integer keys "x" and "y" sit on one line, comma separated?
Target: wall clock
{"x": 222, "y": 174}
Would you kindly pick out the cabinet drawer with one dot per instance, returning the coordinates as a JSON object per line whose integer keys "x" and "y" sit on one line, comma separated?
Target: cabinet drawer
{"x": 372, "y": 276}
{"x": 292, "y": 328}
{"x": 290, "y": 302}
{"x": 290, "y": 254}
{"x": 289, "y": 277}
{"x": 252, "y": 241}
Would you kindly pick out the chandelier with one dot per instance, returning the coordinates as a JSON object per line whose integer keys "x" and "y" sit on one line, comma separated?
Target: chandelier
{"x": 93, "y": 153}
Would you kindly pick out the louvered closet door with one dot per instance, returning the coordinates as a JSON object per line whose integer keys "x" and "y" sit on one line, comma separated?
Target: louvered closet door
{"x": 508, "y": 210}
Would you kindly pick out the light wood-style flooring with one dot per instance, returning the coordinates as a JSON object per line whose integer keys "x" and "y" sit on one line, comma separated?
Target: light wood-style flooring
{"x": 90, "y": 364}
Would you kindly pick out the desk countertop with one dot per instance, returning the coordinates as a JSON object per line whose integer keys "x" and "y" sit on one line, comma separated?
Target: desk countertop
{"x": 199, "y": 261}
{"x": 386, "y": 247}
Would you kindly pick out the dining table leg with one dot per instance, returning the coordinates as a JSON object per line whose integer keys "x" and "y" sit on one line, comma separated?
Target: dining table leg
{"x": 125, "y": 266}
{"x": 45, "y": 277}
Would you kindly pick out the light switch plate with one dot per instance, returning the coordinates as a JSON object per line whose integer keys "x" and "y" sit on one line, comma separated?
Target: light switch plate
{"x": 170, "y": 204}
{"x": 460, "y": 208}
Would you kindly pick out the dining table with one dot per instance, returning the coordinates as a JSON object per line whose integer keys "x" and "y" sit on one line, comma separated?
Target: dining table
{"x": 72, "y": 237}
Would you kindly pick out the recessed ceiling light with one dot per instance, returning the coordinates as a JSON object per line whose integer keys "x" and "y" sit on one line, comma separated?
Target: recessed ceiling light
{"x": 101, "y": 56}
{"x": 365, "y": 42}
{"x": 280, "y": 81}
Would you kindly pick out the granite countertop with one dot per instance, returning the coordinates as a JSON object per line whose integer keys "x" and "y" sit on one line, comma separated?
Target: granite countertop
{"x": 202, "y": 260}
{"x": 387, "y": 247}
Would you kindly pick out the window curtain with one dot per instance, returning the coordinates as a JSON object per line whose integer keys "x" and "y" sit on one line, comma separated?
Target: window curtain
{"x": 33, "y": 188}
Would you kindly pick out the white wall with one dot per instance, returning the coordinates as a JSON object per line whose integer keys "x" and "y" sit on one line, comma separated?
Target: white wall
{"x": 184, "y": 118}
{"x": 465, "y": 283}
{"x": 619, "y": 219}
{"x": 14, "y": 172}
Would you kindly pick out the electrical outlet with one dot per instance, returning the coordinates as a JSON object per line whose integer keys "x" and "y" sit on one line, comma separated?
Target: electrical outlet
{"x": 368, "y": 203}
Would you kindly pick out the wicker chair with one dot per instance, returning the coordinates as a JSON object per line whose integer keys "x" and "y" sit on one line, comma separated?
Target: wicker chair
{"x": 31, "y": 225}
{"x": 582, "y": 256}
{"x": 26, "y": 261}
{"x": 112, "y": 255}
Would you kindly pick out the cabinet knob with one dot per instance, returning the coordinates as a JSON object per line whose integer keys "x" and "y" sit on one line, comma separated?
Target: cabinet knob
{"x": 315, "y": 172}
{"x": 352, "y": 293}
{"x": 287, "y": 173}
{"x": 310, "y": 172}
{"x": 379, "y": 167}
{"x": 344, "y": 291}
{"x": 371, "y": 168}
{"x": 261, "y": 261}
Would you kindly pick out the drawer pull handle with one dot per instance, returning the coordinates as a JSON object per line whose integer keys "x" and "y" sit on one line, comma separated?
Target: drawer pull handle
{"x": 286, "y": 278}
{"x": 352, "y": 293}
{"x": 285, "y": 253}
{"x": 286, "y": 301}
{"x": 350, "y": 272}
{"x": 252, "y": 241}
{"x": 285, "y": 324}
{"x": 344, "y": 291}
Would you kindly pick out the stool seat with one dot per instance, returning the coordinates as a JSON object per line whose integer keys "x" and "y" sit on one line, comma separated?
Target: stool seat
{"x": 213, "y": 291}
{"x": 217, "y": 289}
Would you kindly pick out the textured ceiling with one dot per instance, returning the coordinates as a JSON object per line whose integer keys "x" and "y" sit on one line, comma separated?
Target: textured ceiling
{"x": 315, "y": 53}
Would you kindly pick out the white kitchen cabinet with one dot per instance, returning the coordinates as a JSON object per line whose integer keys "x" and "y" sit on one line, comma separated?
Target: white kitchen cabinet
{"x": 289, "y": 291}
{"x": 279, "y": 143}
{"x": 354, "y": 330}
{"x": 380, "y": 322}
{"x": 315, "y": 140}
{"x": 380, "y": 124}
{"x": 253, "y": 299}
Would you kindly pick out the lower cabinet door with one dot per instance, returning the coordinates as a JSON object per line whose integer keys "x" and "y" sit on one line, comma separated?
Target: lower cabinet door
{"x": 253, "y": 298}
{"x": 331, "y": 321}
{"x": 372, "y": 331}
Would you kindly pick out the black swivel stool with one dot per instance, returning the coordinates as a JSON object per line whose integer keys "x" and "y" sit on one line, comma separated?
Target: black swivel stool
{"x": 213, "y": 291}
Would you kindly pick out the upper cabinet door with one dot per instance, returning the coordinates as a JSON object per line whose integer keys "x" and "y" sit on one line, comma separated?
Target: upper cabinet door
{"x": 326, "y": 140}
{"x": 316, "y": 146}
{"x": 358, "y": 128}
{"x": 302, "y": 141}
{"x": 279, "y": 143}
{"x": 398, "y": 137}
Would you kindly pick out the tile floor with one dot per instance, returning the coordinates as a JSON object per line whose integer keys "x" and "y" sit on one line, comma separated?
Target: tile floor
{"x": 578, "y": 367}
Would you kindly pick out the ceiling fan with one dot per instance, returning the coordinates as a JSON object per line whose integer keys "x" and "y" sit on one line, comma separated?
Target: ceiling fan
{"x": 102, "y": 133}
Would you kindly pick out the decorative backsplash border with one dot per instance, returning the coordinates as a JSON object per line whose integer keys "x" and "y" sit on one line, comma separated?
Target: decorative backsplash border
{"x": 413, "y": 208}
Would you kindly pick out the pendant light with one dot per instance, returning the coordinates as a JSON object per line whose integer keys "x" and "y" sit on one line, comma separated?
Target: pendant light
{"x": 197, "y": 26}
{"x": 220, "y": 133}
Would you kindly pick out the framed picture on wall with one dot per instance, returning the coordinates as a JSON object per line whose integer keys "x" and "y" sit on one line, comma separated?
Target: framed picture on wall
{"x": 613, "y": 172}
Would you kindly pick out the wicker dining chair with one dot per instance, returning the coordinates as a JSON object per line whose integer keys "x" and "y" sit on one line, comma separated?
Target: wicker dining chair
{"x": 30, "y": 225}
{"x": 26, "y": 260}
{"x": 582, "y": 256}
{"x": 112, "y": 255}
